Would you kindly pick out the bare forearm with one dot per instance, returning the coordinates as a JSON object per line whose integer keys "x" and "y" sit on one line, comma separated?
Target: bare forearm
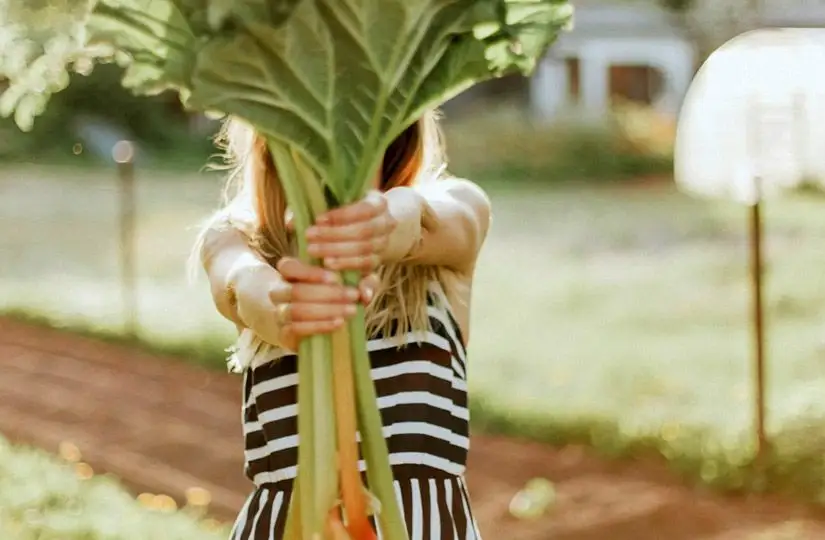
{"x": 407, "y": 208}
{"x": 443, "y": 224}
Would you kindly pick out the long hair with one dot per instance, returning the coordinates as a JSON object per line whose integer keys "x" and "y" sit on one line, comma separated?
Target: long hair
{"x": 254, "y": 203}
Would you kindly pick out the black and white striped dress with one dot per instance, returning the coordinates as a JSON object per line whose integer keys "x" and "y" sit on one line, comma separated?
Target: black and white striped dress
{"x": 422, "y": 395}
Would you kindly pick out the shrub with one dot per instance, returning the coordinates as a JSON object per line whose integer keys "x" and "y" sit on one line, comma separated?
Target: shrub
{"x": 44, "y": 499}
{"x": 505, "y": 142}
{"x": 158, "y": 125}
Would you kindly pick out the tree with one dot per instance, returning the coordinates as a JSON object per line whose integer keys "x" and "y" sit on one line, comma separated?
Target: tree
{"x": 710, "y": 23}
{"x": 40, "y": 39}
{"x": 42, "y": 50}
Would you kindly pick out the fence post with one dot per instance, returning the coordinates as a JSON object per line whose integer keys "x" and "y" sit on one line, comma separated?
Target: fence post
{"x": 123, "y": 154}
{"x": 756, "y": 146}
{"x": 757, "y": 274}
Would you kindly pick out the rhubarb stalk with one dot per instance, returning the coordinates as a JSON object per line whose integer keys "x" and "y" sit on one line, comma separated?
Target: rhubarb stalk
{"x": 317, "y": 479}
{"x": 352, "y": 488}
{"x": 373, "y": 444}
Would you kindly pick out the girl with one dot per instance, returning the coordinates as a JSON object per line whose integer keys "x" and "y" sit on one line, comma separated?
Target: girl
{"x": 416, "y": 238}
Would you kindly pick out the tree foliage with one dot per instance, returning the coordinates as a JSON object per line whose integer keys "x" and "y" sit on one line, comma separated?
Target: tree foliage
{"x": 42, "y": 42}
{"x": 710, "y": 23}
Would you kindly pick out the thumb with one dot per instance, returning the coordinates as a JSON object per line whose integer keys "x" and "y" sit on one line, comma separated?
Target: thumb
{"x": 367, "y": 288}
{"x": 287, "y": 339}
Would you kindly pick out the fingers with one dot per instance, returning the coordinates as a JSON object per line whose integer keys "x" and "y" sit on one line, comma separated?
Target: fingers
{"x": 310, "y": 313}
{"x": 319, "y": 302}
{"x": 364, "y": 255}
{"x": 293, "y": 333}
{"x": 311, "y": 300}
{"x": 350, "y": 241}
{"x": 322, "y": 309}
{"x": 380, "y": 225}
{"x": 363, "y": 263}
{"x": 295, "y": 271}
{"x": 311, "y": 328}
{"x": 348, "y": 249}
{"x": 352, "y": 237}
{"x": 308, "y": 319}
{"x": 315, "y": 309}
{"x": 373, "y": 205}
{"x": 304, "y": 293}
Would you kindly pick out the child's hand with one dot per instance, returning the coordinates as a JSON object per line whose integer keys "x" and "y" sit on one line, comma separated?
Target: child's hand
{"x": 311, "y": 301}
{"x": 353, "y": 237}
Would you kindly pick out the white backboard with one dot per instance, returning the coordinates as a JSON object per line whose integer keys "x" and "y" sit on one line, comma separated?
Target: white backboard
{"x": 753, "y": 122}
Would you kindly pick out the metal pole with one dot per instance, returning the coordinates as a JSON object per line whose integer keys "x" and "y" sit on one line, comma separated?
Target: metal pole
{"x": 757, "y": 270}
{"x": 123, "y": 154}
{"x": 757, "y": 149}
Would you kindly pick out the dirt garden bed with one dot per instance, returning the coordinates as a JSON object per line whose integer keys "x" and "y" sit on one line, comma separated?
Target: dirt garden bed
{"x": 164, "y": 426}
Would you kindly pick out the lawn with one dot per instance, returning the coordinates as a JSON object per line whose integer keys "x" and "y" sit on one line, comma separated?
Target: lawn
{"x": 615, "y": 314}
{"x": 42, "y": 498}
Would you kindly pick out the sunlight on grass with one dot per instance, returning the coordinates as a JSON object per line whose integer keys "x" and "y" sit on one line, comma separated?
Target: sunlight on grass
{"x": 634, "y": 306}
{"x": 618, "y": 304}
{"x": 63, "y": 254}
{"x": 44, "y": 499}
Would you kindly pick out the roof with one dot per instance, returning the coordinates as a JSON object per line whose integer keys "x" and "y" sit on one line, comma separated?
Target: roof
{"x": 595, "y": 19}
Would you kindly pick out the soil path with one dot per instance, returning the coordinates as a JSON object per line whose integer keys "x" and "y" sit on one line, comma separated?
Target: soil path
{"x": 148, "y": 419}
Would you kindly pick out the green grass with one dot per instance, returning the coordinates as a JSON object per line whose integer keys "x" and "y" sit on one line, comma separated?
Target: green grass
{"x": 500, "y": 143}
{"x": 42, "y": 498}
{"x": 612, "y": 315}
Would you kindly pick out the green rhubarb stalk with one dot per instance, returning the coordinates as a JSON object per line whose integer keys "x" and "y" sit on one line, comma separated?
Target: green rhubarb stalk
{"x": 341, "y": 343}
{"x": 373, "y": 445}
{"x": 313, "y": 187}
{"x": 325, "y": 482}
{"x": 325, "y": 490}
{"x": 306, "y": 448}
{"x": 317, "y": 476}
{"x": 292, "y": 527}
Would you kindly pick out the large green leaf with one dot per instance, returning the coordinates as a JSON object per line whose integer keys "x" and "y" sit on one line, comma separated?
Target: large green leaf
{"x": 342, "y": 78}
{"x": 232, "y": 13}
{"x": 156, "y": 36}
{"x": 336, "y": 79}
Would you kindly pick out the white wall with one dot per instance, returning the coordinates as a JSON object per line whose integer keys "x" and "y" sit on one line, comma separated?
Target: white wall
{"x": 613, "y": 35}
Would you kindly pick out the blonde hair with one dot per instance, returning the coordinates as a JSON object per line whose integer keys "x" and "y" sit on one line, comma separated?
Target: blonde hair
{"x": 254, "y": 203}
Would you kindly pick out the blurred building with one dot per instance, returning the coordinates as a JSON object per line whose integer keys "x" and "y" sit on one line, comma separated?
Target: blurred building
{"x": 631, "y": 51}
{"x": 637, "y": 51}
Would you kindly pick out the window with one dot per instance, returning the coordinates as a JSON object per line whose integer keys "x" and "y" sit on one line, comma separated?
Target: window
{"x": 637, "y": 83}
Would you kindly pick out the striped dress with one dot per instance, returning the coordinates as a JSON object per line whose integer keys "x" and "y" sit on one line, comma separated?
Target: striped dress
{"x": 422, "y": 396}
